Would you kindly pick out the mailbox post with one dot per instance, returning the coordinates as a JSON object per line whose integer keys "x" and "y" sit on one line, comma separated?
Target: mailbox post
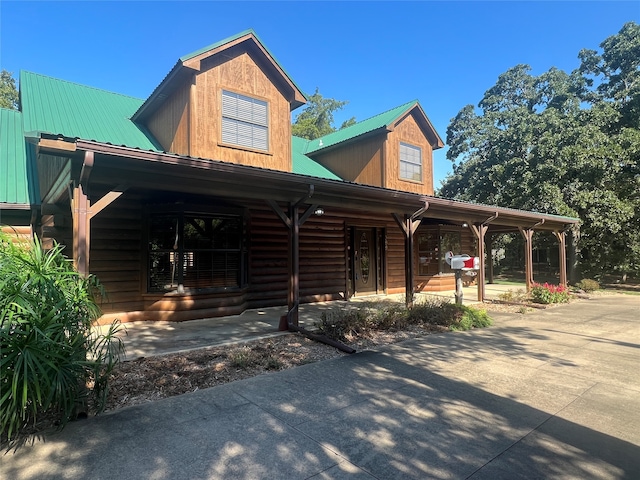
{"x": 459, "y": 264}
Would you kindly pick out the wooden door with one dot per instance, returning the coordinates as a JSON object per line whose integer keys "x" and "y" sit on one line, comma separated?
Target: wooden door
{"x": 365, "y": 261}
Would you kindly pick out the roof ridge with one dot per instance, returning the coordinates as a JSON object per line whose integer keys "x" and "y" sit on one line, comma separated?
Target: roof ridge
{"x": 371, "y": 118}
{"x": 219, "y": 43}
{"x": 388, "y": 110}
{"x": 346, "y": 132}
{"x": 80, "y": 85}
{"x": 11, "y": 110}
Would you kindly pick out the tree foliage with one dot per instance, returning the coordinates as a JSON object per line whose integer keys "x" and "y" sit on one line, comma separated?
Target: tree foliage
{"x": 316, "y": 120}
{"x": 8, "y": 91}
{"x": 562, "y": 143}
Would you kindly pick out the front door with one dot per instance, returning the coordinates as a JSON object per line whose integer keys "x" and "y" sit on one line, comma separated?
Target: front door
{"x": 365, "y": 261}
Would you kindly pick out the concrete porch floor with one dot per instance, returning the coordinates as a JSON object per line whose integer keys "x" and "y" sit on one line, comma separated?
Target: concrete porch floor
{"x": 144, "y": 339}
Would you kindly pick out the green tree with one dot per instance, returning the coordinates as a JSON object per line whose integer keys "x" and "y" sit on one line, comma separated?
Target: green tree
{"x": 316, "y": 119}
{"x": 8, "y": 91}
{"x": 559, "y": 143}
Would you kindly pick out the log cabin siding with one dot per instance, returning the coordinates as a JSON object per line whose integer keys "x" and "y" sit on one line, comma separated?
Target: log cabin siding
{"x": 359, "y": 162}
{"x": 19, "y": 234}
{"x": 116, "y": 256}
{"x": 408, "y": 131}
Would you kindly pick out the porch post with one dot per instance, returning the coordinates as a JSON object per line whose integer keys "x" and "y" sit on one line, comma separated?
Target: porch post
{"x": 490, "y": 257}
{"x": 294, "y": 264}
{"x": 408, "y": 262}
{"x": 562, "y": 256}
{"x": 81, "y": 230}
{"x": 81, "y": 219}
{"x": 409, "y": 226}
{"x": 527, "y": 234}
{"x": 293, "y": 221}
{"x": 479, "y": 230}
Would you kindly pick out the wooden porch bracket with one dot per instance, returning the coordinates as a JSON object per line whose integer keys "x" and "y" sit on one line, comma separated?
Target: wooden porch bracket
{"x": 107, "y": 200}
{"x": 293, "y": 221}
{"x": 409, "y": 225}
{"x": 562, "y": 255}
{"x": 479, "y": 231}
{"x": 527, "y": 234}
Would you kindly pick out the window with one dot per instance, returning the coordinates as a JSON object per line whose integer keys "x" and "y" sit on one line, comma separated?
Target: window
{"x": 410, "y": 162}
{"x": 245, "y": 121}
{"x": 433, "y": 242}
{"x": 194, "y": 251}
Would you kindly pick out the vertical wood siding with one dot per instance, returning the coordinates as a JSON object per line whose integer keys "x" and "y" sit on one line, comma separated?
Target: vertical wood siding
{"x": 170, "y": 123}
{"x": 359, "y": 162}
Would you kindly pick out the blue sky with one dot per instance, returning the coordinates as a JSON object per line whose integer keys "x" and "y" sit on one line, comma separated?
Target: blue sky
{"x": 376, "y": 55}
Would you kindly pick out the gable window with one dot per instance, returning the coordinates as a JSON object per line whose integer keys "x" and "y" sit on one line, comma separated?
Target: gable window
{"x": 410, "y": 162}
{"x": 192, "y": 251}
{"x": 245, "y": 121}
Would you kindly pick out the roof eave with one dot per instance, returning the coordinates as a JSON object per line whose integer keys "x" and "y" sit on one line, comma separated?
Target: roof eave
{"x": 334, "y": 192}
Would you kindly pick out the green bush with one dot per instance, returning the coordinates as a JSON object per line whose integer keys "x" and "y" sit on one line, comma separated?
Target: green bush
{"x": 48, "y": 351}
{"x": 352, "y": 322}
{"x": 588, "y": 285}
{"x": 472, "y": 318}
{"x": 519, "y": 296}
{"x": 548, "y": 293}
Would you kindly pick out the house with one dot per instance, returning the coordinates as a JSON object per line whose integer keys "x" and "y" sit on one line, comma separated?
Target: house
{"x": 197, "y": 202}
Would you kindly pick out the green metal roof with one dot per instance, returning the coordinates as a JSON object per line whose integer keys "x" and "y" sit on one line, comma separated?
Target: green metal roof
{"x": 18, "y": 179}
{"x": 59, "y": 107}
{"x": 306, "y": 166}
{"x": 360, "y": 128}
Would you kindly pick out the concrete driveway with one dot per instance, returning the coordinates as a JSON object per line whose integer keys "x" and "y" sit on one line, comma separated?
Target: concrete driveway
{"x": 551, "y": 394}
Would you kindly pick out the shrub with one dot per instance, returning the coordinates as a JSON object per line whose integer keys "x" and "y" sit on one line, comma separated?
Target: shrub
{"x": 471, "y": 318}
{"x": 345, "y": 324}
{"x": 549, "y": 293}
{"x": 48, "y": 352}
{"x": 519, "y": 296}
{"x": 242, "y": 357}
{"x": 588, "y": 285}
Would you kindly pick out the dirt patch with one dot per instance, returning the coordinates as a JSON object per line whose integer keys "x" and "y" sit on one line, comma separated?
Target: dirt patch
{"x": 152, "y": 378}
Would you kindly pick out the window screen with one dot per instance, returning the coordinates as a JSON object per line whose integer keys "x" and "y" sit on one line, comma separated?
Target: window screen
{"x": 245, "y": 121}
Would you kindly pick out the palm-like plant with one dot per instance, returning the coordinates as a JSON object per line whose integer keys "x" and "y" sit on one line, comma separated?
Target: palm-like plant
{"x": 48, "y": 351}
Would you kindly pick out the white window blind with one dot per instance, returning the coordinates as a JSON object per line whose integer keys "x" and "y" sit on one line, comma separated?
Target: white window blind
{"x": 245, "y": 121}
{"x": 410, "y": 162}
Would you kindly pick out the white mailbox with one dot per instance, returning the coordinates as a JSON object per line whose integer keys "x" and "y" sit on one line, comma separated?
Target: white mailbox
{"x": 462, "y": 262}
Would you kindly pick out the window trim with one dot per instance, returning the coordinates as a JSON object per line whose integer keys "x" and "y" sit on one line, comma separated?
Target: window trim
{"x": 182, "y": 210}
{"x": 267, "y": 125}
{"x": 401, "y": 161}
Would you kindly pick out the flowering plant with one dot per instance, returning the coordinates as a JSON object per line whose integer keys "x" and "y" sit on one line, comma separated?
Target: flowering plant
{"x": 548, "y": 293}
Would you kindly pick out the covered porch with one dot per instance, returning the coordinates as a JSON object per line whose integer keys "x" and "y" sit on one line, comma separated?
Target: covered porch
{"x": 144, "y": 339}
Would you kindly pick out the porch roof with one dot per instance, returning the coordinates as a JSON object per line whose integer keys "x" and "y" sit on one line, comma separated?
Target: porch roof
{"x": 163, "y": 170}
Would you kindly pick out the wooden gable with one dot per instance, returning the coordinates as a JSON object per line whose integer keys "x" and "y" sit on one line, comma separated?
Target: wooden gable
{"x": 409, "y": 130}
{"x": 373, "y": 157}
{"x": 185, "y": 112}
